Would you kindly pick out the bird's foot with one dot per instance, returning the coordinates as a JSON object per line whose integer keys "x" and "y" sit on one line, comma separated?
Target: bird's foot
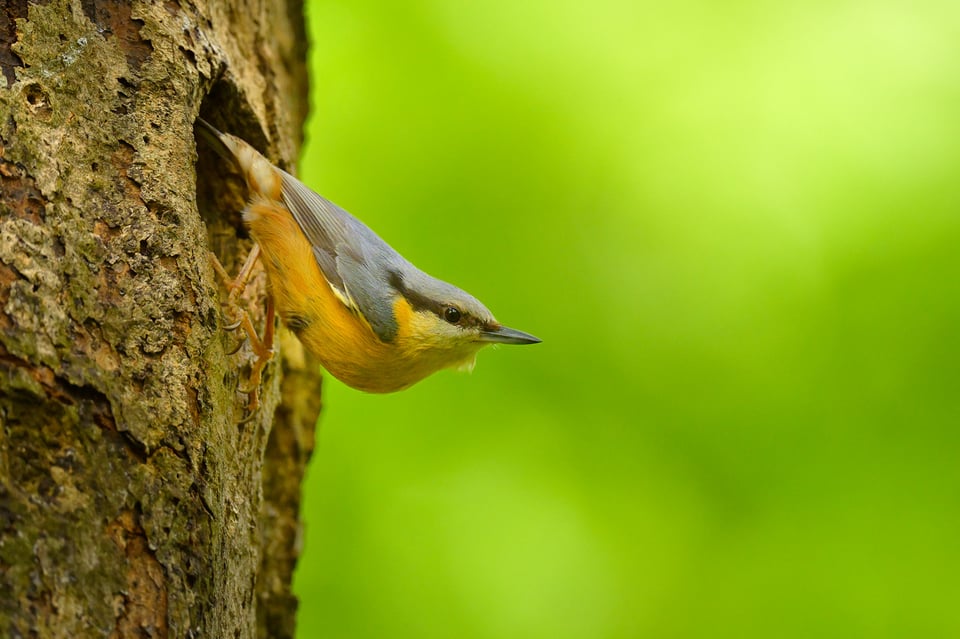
{"x": 262, "y": 347}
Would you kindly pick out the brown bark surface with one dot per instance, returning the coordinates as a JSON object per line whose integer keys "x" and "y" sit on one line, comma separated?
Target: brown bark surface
{"x": 132, "y": 501}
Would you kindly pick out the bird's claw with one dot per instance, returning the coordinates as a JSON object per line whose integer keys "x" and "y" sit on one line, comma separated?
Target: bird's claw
{"x": 262, "y": 348}
{"x": 236, "y": 349}
{"x": 232, "y": 326}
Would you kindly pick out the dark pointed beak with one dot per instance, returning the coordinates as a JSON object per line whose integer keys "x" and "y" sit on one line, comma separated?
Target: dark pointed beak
{"x": 504, "y": 335}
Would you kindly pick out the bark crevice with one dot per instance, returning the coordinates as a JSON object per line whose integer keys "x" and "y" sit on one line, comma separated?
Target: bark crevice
{"x": 131, "y": 502}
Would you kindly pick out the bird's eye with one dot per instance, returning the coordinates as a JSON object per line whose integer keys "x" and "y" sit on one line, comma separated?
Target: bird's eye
{"x": 452, "y": 314}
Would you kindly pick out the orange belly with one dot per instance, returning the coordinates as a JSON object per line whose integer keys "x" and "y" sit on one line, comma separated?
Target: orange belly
{"x": 342, "y": 341}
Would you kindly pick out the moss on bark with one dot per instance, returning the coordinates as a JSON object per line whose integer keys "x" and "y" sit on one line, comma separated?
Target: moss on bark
{"x": 131, "y": 501}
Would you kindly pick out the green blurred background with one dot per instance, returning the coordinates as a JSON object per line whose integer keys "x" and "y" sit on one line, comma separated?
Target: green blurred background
{"x": 736, "y": 228}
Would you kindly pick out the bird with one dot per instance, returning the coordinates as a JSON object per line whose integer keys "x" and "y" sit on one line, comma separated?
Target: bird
{"x": 374, "y": 320}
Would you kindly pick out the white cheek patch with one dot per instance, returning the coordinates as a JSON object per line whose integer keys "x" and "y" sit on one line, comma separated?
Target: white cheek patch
{"x": 466, "y": 366}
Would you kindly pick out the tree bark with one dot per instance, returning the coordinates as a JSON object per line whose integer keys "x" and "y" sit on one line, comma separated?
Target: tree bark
{"x": 133, "y": 501}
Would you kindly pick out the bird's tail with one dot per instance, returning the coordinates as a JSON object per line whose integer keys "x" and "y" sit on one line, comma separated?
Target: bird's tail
{"x": 262, "y": 177}
{"x": 225, "y": 145}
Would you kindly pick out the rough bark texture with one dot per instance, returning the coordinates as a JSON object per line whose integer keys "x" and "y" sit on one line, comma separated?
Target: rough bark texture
{"x": 132, "y": 501}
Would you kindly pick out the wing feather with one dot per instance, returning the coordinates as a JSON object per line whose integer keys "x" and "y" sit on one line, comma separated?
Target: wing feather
{"x": 353, "y": 259}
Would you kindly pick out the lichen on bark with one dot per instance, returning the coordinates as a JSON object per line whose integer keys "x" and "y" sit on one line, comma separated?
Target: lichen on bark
{"x": 132, "y": 503}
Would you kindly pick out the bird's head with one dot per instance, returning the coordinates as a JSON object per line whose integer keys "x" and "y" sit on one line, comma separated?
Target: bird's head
{"x": 446, "y": 325}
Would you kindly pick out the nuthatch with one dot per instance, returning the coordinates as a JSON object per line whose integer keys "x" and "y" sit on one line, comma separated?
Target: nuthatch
{"x": 374, "y": 320}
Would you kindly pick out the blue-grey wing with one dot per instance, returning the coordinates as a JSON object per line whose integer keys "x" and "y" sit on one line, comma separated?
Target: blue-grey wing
{"x": 352, "y": 258}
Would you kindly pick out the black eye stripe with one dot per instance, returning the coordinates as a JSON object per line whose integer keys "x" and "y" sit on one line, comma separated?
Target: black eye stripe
{"x": 423, "y": 303}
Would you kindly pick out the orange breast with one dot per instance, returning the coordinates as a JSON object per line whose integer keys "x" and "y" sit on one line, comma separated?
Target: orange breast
{"x": 342, "y": 341}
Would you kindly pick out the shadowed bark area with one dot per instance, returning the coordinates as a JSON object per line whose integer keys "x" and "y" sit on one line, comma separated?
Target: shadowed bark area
{"x": 133, "y": 502}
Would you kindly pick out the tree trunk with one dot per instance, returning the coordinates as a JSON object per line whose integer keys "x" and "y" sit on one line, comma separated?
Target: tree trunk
{"x": 133, "y": 501}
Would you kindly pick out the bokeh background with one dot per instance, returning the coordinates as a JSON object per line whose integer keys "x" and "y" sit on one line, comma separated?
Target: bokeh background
{"x": 736, "y": 226}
